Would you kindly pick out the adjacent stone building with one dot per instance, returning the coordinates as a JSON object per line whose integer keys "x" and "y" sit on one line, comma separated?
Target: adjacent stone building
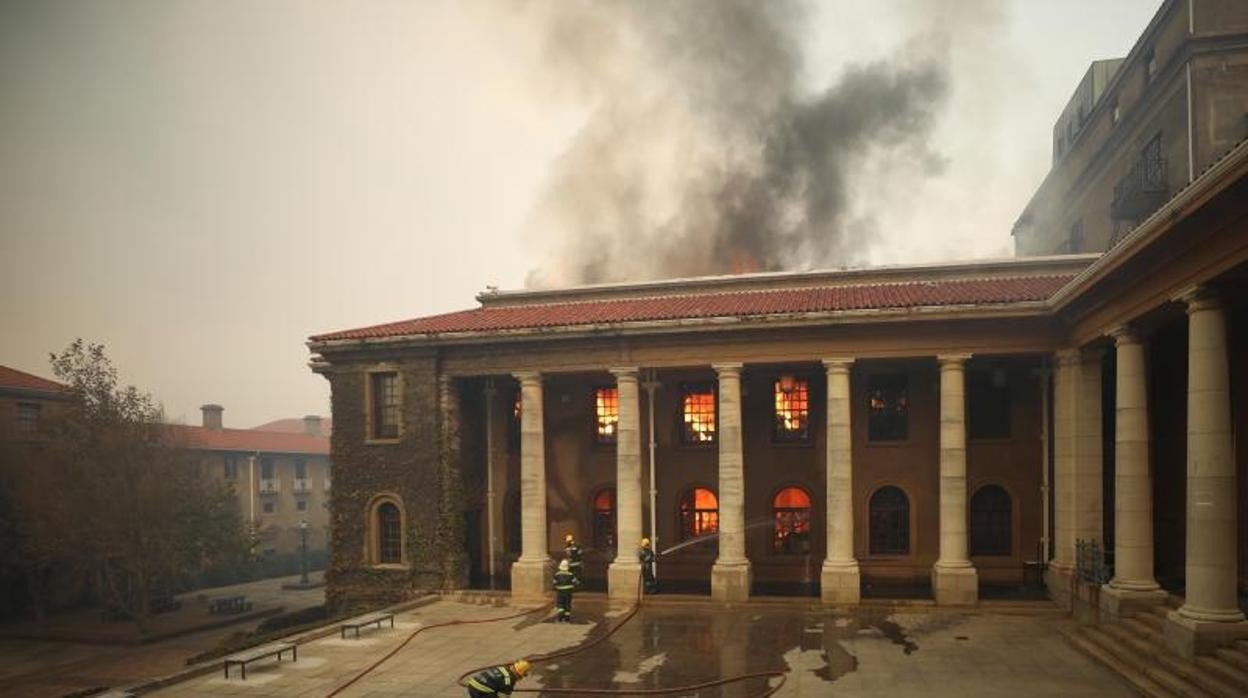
{"x": 1141, "y": 127}
{"x": 26, "y": 402}
{"x": 281, "y": 477}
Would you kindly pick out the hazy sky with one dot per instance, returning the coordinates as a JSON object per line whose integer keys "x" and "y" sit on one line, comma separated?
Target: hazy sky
{"x": 201, "y": 185}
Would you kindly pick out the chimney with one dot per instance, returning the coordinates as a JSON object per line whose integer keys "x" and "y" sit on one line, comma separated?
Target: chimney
{"x": 312, "y": 425}
{"x": 212, "y": 416}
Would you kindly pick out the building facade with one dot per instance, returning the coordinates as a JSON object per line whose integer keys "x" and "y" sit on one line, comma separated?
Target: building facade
{"x": 281, "y": 478}
{"x": 26, "y": 402}
{"x": 1139, "y": 128}
{"x": 827, "y": 433}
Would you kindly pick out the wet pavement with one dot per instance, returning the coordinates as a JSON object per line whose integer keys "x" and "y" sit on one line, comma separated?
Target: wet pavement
{"x": 870, "y": 651}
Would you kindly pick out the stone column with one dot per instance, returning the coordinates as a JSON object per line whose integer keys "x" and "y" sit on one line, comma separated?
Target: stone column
{"x": 623, "y": 576}
{"x": 1133, "y": 586}
{"x": 1210, "y": 616}
{"x": 730, "y": 576}
{"x": 1057, "y": 578}
{"x": 840, "y": 580}
{"x": 450, "y": 531}
{"x": 954, "y": 580}
{"x": 531, "y": 574}
{"x": 1088, "y": 499}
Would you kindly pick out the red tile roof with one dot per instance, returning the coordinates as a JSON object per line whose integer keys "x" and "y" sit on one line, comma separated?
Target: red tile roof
{"x": 13, "y": 378}
{"x": 878, "y": 296}
{"x": 248, "y": 440}
{"x": 295, "y": 426}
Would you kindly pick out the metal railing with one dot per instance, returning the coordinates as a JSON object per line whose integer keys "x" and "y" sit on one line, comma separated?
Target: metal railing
{"x": 1142, "y": 190}
{"x": 303, "y": 486}
{"x": 1092, "y": 563}
{"x": 269, "y": 486}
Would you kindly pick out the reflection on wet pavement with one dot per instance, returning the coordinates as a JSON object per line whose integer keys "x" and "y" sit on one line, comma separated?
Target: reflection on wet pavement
{"x": 858, "y": 651}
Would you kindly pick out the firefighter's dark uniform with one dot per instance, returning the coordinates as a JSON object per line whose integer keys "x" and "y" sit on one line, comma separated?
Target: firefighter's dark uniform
{"x": 565, "y": 583}
{"x": 646, "y": 556}
{"x": 491, "y": 682}
{"x": 573, "y": 552}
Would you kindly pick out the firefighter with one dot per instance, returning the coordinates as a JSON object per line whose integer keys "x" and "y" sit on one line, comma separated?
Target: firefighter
{"x": 565, "y": 583}
{"x": 573, "y": 553}
{"x": 646, "y": 556}
{"x": 500, "y": 679}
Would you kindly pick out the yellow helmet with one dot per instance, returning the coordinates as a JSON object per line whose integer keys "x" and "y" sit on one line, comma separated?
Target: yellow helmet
{"x": 568, "y": 538}
{"x": 521, "y": 666}
{"x": 645, "y": 542}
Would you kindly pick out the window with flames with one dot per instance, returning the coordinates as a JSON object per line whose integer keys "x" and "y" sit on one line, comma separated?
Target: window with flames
{"x": 606, "y": 415}
{"x": 699, "y": 513}
{"x": 791, "y": 509}
{"x": 792, "y": 416}
{"x": 697, "y": 409}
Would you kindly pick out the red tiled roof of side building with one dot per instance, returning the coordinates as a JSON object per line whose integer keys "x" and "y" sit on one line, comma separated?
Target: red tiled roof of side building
{"x": 248, "y": 440}
{"x": 881, "y": 296}
{"x": 13, "y": 378}
{"x": 295, "y": 426}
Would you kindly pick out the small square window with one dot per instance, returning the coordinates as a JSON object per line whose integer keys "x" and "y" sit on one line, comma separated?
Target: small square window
{"x": 268, "y": 507}
{"x": 385, "y": 399}
{"x": 28, "y": 419}
{"x": 888, "y": 407}
{"x": 606, "y": 414}
{"x": 697, "y": 410}
{"x": 792, "y": 409}
{"x": 302, "y": 505}
{"x": 231, "y": 468}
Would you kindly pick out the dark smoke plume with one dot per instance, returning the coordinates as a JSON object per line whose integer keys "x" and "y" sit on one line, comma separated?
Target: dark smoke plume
{"x": 702, "y": 152}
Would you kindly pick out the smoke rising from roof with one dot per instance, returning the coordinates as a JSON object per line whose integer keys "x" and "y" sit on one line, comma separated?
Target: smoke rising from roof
{"x": 702, "y": 151}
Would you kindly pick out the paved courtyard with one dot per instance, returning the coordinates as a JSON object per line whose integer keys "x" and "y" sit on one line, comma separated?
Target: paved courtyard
{"x": 866, "y": 652}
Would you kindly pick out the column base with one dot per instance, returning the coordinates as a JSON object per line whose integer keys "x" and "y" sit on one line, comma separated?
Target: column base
{"x": 531, "y": 580}
{"x": 1117, "y": 604}
{"x": 623, "y": 582}
{"x": 1188, "y": 637}
{"x": 1058, "y": 582}
{"x": 840, "y": 583}
{"x": 731, "y": 583}
{"x": 955, "y": 586}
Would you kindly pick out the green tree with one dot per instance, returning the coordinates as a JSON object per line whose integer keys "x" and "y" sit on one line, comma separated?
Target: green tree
{"x": 134, "y": 509}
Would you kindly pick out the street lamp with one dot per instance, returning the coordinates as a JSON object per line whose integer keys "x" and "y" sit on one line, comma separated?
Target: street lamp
{"x": 303, "y": 552}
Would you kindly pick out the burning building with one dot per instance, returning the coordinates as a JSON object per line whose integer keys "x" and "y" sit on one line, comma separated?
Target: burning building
{"x": 940, "y": 427}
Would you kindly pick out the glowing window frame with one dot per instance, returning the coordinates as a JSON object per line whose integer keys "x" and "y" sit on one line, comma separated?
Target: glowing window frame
{"x": 697, "y": 408}
{"x": 606, "y": 414}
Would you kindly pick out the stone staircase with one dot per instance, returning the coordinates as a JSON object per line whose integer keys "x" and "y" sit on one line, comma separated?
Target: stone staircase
{"x": 1134, "y": 649}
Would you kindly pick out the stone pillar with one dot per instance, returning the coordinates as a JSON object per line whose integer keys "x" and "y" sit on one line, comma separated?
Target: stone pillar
{"x": 1061, "y": 568}
{"x": 730, "y": 576}
{"x": 1088, "y": 493}
{"x": 840, "y": 580}
{"x": 1133, "y": 586}
{"x": 624, "y": 574}
{"x": 531, "y": 574}
{"x": 1210, "y": 616}
{"x": 954, "y": 580}
{"x": 450, "y": 529}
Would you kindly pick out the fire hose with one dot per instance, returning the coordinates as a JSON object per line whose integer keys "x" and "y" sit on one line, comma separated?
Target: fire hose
{"x": 774, "y": 673}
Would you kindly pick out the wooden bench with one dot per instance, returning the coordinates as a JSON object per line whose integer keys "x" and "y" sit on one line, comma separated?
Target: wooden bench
{"x": 371, "y": 619}
{"x": 276, "y": 649}
{"x": 229, "y": 605}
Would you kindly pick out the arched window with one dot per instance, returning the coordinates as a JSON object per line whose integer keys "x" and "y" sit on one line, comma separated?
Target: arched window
{"x": 604, "y": 519}
{"x": 511, "y": 522}
{"x": 991, "y": 521}
{"x": 699, "y": 513}
{"x": 389, "y": 533}
{"x": 791, "y": 511}
{"x": 889, "y": 522}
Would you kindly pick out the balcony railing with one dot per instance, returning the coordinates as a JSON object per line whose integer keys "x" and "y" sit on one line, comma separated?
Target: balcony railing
{"x": 269, "y": 487}
{"x": 1142, "y": 191}
{"x": 327, "y": 484}
{"x": 303, "y": 486}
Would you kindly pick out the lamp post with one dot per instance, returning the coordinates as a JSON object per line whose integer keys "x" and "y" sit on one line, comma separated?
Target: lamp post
{"x": 303, "y": 552}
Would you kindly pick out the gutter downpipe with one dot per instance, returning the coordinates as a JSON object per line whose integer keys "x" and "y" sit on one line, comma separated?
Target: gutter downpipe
{"x": 1044, "y": 460}
{"x": 651, "y": 386}
{"x": 489, "y": 473}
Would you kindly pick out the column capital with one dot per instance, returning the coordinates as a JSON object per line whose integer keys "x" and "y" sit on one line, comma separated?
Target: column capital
{"x": 1199, "y": 297}
{"x": 1124, "y": 334}
{"x": 838, "y": 363}
{"x": 728, "y": 368}
{"x": 529, "y": 377}
{"x": 624, "y": 372}
{"x": 1068, "y": 357}
{"x": 952, "y": 360}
